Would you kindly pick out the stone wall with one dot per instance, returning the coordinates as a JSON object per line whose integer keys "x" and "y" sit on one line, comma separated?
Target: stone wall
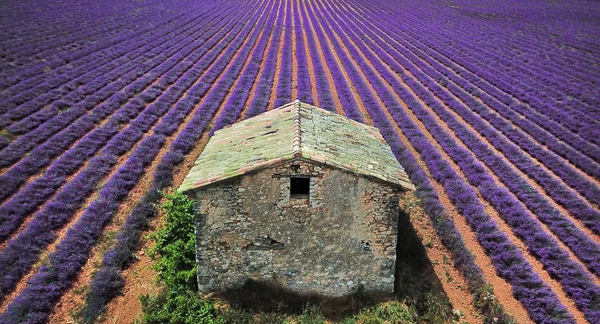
{"x": 343, "y": 236}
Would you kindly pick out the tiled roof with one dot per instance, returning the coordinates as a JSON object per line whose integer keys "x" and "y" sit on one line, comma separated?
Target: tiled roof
{"x": 296, "y": 131}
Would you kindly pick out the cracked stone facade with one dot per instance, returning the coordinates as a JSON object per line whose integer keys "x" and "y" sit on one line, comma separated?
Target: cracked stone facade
{"x": 341, "y": 236}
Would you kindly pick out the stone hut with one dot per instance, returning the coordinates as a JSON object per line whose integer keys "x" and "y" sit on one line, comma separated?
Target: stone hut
{"x": 299, "y": 197}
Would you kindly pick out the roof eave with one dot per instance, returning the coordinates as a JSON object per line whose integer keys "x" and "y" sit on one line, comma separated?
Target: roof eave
{"x": 406, "y": 186}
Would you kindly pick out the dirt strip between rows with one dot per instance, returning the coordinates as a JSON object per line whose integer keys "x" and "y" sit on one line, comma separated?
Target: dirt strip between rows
{"x": 74, "y": 298}
{"x": 456, "y": 291}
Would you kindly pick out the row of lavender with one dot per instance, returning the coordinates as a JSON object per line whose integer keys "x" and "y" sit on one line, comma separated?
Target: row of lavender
{"x": 82, "y": 136}
{"x": 32, "y": 39}
{"x": 575, "y": 152}
{"x": 575, "y": 204}
{"x": 552, "y": 78}
{"x": 108, "y": 281}
{"x": 57, "y": 134}
{"x": 444, "y": 225}
{"x": 586, "y": 249}
{"x": 138, "y": 155}
{"x": 531, "y": 40}
{"x": 543, "y": 209}
{"x": 62, "y": 207}
{"x": 464, "y": 198}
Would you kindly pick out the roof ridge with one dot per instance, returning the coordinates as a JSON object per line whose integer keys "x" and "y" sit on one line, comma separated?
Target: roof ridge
{"x": 297, "y": 139}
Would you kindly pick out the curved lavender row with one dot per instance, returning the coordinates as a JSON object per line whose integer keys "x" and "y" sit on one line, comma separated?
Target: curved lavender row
{"x": 35, "y": 302}
{"x": 105, "y": 52}
{"x": 545, "y": 111}
{"x": 528, "y": 44}
{"x": 324, "y": 92}
{"x": 535, "y": 14}
{"x": 528, "y": 288}
{"x": 238, "y": 97}
{"x": 133, "y": 72}
{"x": 59, "y": 29}
{"x": 540, "y": 116}
{"x": 449, "y": 234}
{"x": 118, "y": 66}
{"x": 14, "y": 262}
{"x": 530, "y": 47}
{"x": 549, "y": 159}
{"x": 14, "y": 29}
{"x": 33, "y": 195}
{"x": 29, "y": 103}
{"x": 523, "y": 88}
{"x": 283, "y": 93}
{"x": 64, "y": 90}
{"x": 82, "y": 236}
{"x": 43, "y": 154}
{"x": 24, "y": 143}
{"x": 575, "y": 205}
{"x": 64, "y": 45}
{"x": 467, "y": 62}
{"x": 303, "y": 74}
{"x": 500, "y": 101}
{"x": 549, "y": 71}
{"x": 52, "y": 63}
{"x": 26, "y": 31}
{"x": 544, "y": 247}
{"x": 20, "y": 52}
{"x": 108, "y": 281}
{"x": 349, "y": 105}
{"x": 435, "y": 128}
{"x": 554, "y": 75}
{"x": 583, "y": 246}
{"x": 577, "y": 158}
{"x": 578, "y": 207}
{"x": 266, "y": 79}
{"x": 464, "y": 197}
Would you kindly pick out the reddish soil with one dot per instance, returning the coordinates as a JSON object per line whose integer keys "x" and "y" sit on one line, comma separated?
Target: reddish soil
{"x": 311, "y": 68}
{"x": 458, "y": 295}
{"x": 502, "y": 289}
{"x": 332, "y": 87}
{"x": 532, "y": 183}
{"x": 537, "y": 266}
{"x": 263, "y": 62}
{"x": 278, "y": 63}
{"x": 140, "y": 280}
{"x": 73, "y": 299}
{"x": 294, "y": 60}
{"x": 451, "y": 279}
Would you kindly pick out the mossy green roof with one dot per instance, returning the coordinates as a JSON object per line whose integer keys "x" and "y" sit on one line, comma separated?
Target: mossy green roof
{"x": 296, "y": 131}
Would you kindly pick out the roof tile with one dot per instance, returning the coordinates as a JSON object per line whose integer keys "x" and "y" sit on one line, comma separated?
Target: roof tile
{"x": 295, "y": 130}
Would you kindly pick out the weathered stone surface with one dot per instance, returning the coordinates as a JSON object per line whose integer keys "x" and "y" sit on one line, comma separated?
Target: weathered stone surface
{"x": 296, "y": 130}
{"x": 342, "y": 236}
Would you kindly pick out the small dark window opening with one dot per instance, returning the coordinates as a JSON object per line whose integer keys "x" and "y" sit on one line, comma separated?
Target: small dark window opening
{"x": 299, "y": 187}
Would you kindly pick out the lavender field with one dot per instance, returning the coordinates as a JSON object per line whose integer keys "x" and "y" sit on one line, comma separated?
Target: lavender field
{"x": 492, "y": 107}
